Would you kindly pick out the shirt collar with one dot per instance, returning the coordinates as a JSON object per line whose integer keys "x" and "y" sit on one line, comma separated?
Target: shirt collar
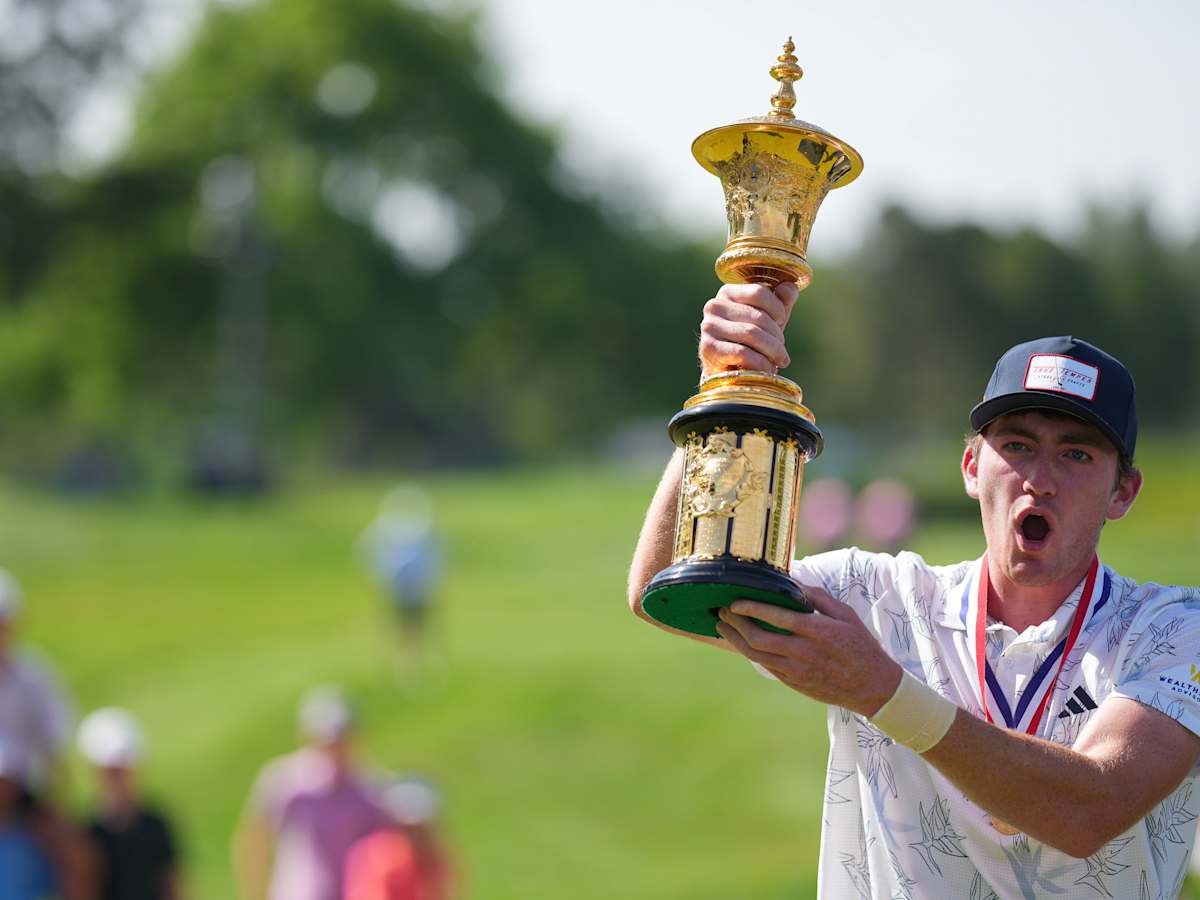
{"x": 950, "y": 612}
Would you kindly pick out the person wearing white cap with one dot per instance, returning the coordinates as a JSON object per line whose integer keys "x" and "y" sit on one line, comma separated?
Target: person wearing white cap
{"x": 34, "y": 713}
{"x": 307, "y": 809}
{"x": 135, "y": 842}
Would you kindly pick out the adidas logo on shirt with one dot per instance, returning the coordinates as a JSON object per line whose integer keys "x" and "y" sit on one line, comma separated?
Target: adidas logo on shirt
{"x": 1077, "y": 704}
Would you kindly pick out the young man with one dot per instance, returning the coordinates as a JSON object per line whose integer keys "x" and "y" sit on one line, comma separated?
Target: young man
{"x": 1025, "y": 724}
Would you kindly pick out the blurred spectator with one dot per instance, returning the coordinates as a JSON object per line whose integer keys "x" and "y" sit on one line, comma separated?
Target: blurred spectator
{"x": 134, "y": 842}
{"x": 404, "y": 554}
{"x": 406, "y": 860}
{"x": 823, "y": 518}
{"x": 306, "y": 810}
{"x": 25, "y": 870}
{"x": 35, "y": 722}
{"x": 885, "y": 515}
{"x": 34, "y": 714}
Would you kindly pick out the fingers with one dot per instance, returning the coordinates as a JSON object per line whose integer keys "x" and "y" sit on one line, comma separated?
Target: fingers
{"x": 776, "y": 303}
{"x": 734, "y": 334}
{"x": 824, "y": 603}
{"x": 716, "y": 355}
{"x": 755, "y": 636}
{"x": 781, "y": 617}
{"x": 787, "y": 293}
{"x": 775, "y": 664}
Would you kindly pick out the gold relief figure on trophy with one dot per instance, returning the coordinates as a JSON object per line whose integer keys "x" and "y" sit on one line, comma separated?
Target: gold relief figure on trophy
{"x": 724, "y": 477}
{"x": 747, "y": 435}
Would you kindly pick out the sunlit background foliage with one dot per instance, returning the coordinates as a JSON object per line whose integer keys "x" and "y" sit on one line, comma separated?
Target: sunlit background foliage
{"x": 329, "y": 255}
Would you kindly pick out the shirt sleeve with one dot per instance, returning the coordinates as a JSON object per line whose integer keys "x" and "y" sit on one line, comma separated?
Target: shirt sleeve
{"x": 53, "y": 711}
{"x": 267, "y": 793}
{"x": 823, "y": 570}
{"x": 1161, "y": 665}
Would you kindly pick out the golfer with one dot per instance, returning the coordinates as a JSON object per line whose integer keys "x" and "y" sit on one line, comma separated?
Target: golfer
{"x": 1024, "y": 724}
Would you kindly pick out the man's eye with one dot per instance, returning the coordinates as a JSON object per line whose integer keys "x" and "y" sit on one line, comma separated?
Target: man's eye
{"x": 1016, "y": 446}
{"x": 1079, "y": 455}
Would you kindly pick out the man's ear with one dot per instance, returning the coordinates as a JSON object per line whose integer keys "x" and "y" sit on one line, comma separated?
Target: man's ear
{"x": 1123, "y": 495}
{"x": 970, "y": 472}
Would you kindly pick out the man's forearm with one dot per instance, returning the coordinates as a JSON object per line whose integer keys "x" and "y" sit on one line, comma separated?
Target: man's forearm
{"x": 1128, "y": 757}
{"x": 656, "y": 541}
{"x": 1058, "y": 795}
{"x": 656, "y": 546}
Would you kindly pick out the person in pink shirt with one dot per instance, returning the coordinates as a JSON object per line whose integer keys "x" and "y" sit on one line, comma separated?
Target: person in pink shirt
{"x": 306, "y": 810}
{"x": 407, "y": 860}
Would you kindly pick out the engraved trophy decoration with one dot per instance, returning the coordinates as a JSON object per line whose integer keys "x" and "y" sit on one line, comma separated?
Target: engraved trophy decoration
{"x": 747, "y": 435}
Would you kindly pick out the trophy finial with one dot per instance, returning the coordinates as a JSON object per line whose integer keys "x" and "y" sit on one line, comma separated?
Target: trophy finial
{"x": 785, "y": 72}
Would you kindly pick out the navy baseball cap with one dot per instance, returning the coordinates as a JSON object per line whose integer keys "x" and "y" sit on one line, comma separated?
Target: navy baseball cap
{"x": 1068, "y": 375}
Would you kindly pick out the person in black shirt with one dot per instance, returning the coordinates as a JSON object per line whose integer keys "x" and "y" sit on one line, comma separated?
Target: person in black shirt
{"x": 135, "y": 843}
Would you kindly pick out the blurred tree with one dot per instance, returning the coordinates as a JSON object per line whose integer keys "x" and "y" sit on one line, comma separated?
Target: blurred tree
{"x": 327, "y": 229}
{"x": 429, "y": 282}
{"x": 55, "y": 55}
{"x": 919, "y": 314}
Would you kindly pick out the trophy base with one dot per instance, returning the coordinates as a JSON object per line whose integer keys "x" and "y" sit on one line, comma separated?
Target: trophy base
{"x": 688, "y": 594}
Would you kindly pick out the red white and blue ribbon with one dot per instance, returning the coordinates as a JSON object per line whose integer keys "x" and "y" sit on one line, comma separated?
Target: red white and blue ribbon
{"x": 1027, "y": 714}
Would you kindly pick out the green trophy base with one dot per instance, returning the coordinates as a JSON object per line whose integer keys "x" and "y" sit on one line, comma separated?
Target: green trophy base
{"x": 688, "y": 594}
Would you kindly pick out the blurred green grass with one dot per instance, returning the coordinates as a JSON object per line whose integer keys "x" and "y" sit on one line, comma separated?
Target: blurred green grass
{"x": 583, "y": 754}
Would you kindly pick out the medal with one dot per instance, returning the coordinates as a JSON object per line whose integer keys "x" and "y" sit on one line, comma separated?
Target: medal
{"x": 1003, "y": 827}
{"x": 1027, "y": 714}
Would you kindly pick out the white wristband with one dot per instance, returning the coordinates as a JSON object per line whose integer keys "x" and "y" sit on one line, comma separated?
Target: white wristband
{"x": 916, "y": 716}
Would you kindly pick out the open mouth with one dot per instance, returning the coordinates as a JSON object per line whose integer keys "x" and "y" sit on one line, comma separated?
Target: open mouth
{"x": 1034, "y": 528}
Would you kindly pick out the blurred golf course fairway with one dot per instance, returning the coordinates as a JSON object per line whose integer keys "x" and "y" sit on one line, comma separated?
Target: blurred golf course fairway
{"x": 583, "y": 754}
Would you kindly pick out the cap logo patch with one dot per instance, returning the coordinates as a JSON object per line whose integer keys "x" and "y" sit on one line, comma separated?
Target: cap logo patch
{"x": 1048, "y": 372}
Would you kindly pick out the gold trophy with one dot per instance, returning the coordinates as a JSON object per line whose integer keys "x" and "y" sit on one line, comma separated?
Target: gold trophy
{"x": 747, "y": 435}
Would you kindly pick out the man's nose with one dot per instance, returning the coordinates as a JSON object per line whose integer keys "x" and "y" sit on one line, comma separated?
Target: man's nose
{"x": 1039, "y": 478}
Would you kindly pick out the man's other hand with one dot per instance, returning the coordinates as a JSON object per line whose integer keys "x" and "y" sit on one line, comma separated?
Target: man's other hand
{"x": 743, "y": 328}
{"x": 828, "y": 654}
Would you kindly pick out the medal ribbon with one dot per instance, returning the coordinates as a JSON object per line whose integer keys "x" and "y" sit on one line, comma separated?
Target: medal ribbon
{"x": 1038, "y": 691}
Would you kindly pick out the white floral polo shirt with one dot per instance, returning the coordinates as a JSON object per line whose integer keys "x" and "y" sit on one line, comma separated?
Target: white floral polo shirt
{"x": 896, "y": 829}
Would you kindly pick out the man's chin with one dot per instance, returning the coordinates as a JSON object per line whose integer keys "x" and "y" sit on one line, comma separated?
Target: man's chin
{"x": 1035, "y": 572}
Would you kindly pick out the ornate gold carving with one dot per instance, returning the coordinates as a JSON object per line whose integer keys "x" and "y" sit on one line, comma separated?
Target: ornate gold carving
{"x": 684, "y": 520}
{"x": 776, "y": 171}
{"x": 750, "y": 522}
{"x": 723, "y": 478}
{"x": 785, "y": 72}
{"x": 752, "y": 389}
{"x": 770, "y": 197}
{"x": 712, "y": 531}
{"x": 779, "y": 539}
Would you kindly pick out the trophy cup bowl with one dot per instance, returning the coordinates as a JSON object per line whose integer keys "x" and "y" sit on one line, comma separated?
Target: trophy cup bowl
{"x": 746, "y": 435}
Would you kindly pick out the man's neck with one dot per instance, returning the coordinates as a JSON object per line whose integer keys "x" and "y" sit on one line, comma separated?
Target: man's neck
{"x": 1018, "y": 606}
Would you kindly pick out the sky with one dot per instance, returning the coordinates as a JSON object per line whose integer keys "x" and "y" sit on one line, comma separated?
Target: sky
{"x": 1008, "y": 113}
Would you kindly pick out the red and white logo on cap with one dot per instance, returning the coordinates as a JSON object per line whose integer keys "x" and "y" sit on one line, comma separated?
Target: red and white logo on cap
{"x": 1050, "y": 372}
